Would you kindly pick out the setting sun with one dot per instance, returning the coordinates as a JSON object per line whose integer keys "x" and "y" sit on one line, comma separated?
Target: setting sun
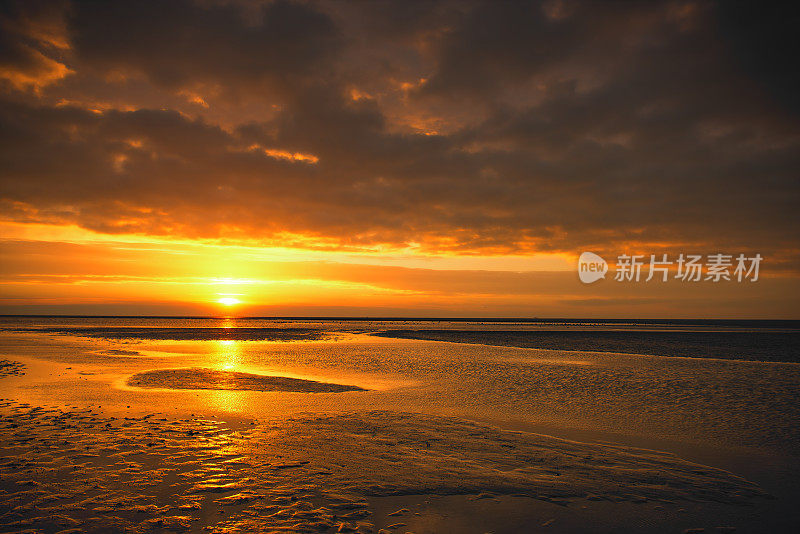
{"x": 438, "y": 266}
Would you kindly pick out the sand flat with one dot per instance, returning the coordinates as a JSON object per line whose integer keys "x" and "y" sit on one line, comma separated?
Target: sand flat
{"x": 310, "y": 473}
{"x": 185, "y": 334}
{"x": 215, "y": 439}
{"x": 198, "y": 378}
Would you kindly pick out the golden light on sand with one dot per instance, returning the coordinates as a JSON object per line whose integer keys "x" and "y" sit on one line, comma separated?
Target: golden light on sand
{"x": 229, "y": 301}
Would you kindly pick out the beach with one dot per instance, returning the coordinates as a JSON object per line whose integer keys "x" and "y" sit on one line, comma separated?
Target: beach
{"x": 234, "y": 425}
{"x": 399, "y": 267}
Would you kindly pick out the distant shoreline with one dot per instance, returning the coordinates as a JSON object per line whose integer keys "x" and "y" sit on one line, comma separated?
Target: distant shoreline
{"x": 762, "y": 346}
{"x": 789, "y": 323}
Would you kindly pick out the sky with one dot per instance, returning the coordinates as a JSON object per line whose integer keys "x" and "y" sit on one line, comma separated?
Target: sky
{"x": 426, "y": 159}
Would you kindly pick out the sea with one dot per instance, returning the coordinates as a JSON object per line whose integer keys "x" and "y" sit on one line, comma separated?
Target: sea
{"x": 719, "y": 393}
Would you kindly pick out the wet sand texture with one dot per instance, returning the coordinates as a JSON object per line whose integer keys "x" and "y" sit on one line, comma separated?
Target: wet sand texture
{"x": 83, "y": 470}
{"x": 757, "y": 346}
{"x": 186, "y": 334}
{"x": 11, "y": 368}
{"x": 196, "y": 378}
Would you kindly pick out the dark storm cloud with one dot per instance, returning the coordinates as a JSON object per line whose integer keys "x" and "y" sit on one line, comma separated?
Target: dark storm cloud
{"x": 491, "y": 126}
{"x": 179, "y": 43}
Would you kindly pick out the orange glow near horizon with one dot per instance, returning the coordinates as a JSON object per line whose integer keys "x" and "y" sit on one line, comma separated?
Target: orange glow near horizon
{"x": 52, "y": 269}
{"x": 389, "y": 173}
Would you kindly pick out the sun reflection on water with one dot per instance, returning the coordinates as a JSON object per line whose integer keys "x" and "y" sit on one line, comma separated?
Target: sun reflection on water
{"x": 228, "y": 354}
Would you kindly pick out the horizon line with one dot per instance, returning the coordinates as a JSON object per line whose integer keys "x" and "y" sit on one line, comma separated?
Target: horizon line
{"x": 407, "y": 318}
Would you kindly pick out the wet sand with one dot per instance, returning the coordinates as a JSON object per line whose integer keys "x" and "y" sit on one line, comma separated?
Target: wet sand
{"x": 356, "y": 433}
{"x": 81, "y": 469}
{"x": 11, "y": 368}
{"x": 194, "y": 378}
{"x": 773, "y": 345}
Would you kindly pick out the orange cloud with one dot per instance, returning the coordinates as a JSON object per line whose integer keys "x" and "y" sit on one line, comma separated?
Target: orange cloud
{"x": 502, "y": 136}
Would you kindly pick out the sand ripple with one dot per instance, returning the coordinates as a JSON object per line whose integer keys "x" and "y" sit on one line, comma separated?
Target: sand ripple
{"x": 11, "y": 368}
{"x": 88, "y": 471}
